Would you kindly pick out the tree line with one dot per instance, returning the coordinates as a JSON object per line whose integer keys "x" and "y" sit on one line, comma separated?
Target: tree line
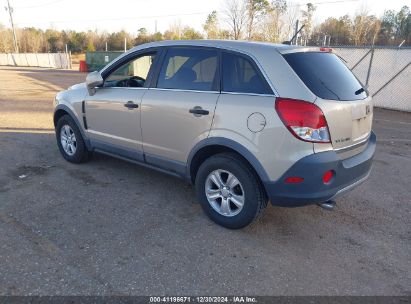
{"x": 261, "y": 20}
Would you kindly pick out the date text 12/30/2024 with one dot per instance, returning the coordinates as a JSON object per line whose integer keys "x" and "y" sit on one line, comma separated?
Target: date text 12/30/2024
{"x": 234, "y": 299}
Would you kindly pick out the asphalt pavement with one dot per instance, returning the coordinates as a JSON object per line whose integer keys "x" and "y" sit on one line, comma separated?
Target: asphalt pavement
{"x": 108, "y": 227}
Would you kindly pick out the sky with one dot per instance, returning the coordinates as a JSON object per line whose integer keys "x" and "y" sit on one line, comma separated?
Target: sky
{"x": 130, "y": 15}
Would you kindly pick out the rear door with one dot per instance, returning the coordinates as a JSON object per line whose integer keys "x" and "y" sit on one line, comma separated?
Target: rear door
{"x": 177, "y": 112}
{"x": 346, "y": 105}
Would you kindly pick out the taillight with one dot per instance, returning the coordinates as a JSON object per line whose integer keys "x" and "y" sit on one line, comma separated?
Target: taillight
{"x": 303, "y": 119}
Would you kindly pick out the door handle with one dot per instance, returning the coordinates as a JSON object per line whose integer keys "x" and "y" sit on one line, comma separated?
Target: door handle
{"x": 198, "y": 111}
{"x": 131, "y": 105}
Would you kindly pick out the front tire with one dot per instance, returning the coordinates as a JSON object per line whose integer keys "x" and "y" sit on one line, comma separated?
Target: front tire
{"x": 229, "y": 191}
{"x": 70, "y": 142}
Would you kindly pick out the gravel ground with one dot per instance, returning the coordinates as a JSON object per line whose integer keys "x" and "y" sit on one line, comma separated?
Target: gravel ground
{"x": 108, "y": 227}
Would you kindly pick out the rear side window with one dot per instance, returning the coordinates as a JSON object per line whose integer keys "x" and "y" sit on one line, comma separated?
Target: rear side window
{"x": 240, "y": 75}
{"x": 189, "y": 69}
{"x": 326, "y": 75}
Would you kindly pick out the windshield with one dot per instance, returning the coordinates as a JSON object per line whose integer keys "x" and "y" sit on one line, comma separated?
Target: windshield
{"x": 326, "y": 75}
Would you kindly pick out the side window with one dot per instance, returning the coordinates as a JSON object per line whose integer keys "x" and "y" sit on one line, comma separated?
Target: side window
{"x": 240, "y": 76}
{"x": 188, "y": 69}
{"x": 131, "y": 74}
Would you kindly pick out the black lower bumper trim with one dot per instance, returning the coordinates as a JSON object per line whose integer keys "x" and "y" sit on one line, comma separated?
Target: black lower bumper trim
{"x": 348, "y": 174}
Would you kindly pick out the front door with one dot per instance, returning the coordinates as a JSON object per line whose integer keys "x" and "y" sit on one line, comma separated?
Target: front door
{"x": 178, "y": 112}
{"x": 113, "y": 113}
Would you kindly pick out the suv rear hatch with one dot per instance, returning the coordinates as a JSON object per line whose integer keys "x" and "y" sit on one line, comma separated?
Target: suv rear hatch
{"x": 340, "y": 95}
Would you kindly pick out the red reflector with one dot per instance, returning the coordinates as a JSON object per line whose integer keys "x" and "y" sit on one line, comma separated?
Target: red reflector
{"x": 327, "y": 177}
{"x": 294, "y": 180}
{"x": 326, "y": 49}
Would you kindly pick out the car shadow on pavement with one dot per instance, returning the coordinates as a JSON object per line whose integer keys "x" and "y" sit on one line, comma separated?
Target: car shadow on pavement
{"x": 60, "y": 78}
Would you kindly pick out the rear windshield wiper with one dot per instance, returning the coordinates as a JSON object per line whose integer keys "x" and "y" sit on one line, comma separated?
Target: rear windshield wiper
{"x": 359, "y": 91}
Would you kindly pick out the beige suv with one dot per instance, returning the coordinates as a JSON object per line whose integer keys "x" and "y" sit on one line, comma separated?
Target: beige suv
{"x": 245, "y": 122}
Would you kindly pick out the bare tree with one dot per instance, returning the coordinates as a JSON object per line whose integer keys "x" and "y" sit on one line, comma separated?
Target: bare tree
{"x": 174, "y": 31}
{"x": 211, "y": 26}
{"x": 6, "y": 40}
{"x": 275, "y": 23}
{"x": 290, "y": 18}
{"x": 256, "y": 11}
{"x": 236, "y": 17}
{"x": 308, "y": 20}
{"x": 365, "y": 27}
{"x": 30, "y": 40}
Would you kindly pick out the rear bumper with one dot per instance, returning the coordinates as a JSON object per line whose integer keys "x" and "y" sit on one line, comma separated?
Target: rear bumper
{"x": 349, "y": 173}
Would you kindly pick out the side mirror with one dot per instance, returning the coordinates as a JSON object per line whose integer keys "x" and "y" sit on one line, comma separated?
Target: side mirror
{"x": 93, "y": 80}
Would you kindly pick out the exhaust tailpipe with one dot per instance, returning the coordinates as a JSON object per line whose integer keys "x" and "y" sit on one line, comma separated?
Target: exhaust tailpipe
{"x": 329, "y": 205}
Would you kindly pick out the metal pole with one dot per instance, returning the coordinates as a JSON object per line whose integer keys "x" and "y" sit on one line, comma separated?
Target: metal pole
{"x": 10, "y": 10}
{"x": 106, "y": 47}
{"x": 296, "y": 31}
{"x": 359, "y": 61}
{"x": 369, "y": 66}
{"x": 61, "y": 61}
{"x": 125, "y": 44}
{"x": 325, "y": 40}
{"x": 68, "y": 60}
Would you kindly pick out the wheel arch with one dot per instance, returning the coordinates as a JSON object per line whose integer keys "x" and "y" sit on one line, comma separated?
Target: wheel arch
{"x": 62, "y": 110}
{"x": 215, "y": 145}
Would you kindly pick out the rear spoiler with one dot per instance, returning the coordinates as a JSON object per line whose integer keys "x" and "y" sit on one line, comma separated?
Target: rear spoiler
{"x": 302, "y": 49}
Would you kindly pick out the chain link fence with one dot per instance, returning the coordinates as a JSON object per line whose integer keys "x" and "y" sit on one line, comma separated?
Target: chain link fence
{"x": 386, "y": 71}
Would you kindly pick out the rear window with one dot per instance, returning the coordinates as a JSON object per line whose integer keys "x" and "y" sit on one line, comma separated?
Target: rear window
{"x": 326, "y": 75}
{"x": 241, "y": 76}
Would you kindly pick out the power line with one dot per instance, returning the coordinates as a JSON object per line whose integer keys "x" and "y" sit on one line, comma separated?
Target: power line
{"x": 325, "y": 2}
{"x": 336, "y": 1}
{"x": 149, "y": 17}
{"x": 40, "y": 5}
{"x": 122, "y": 18}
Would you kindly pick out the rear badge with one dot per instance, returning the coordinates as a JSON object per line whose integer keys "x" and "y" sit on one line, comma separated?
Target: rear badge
{"x": 367, "y": 109}
{"x": 341, "y": 140}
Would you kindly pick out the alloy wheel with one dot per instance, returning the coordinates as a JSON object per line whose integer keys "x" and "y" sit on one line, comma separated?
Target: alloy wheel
{"x": 224, "y": 192}
{"x": 68, "y": 140}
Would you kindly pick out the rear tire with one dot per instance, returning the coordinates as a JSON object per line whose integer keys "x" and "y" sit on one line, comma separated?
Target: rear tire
{"x": 221, "y": 198}
{"x": 70, "y": 142}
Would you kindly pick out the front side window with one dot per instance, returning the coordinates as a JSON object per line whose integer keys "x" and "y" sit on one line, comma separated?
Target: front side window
{"x": 189, "y": 69}
{"x": 241, "y": 76}
{"x": 131, "y": 74}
